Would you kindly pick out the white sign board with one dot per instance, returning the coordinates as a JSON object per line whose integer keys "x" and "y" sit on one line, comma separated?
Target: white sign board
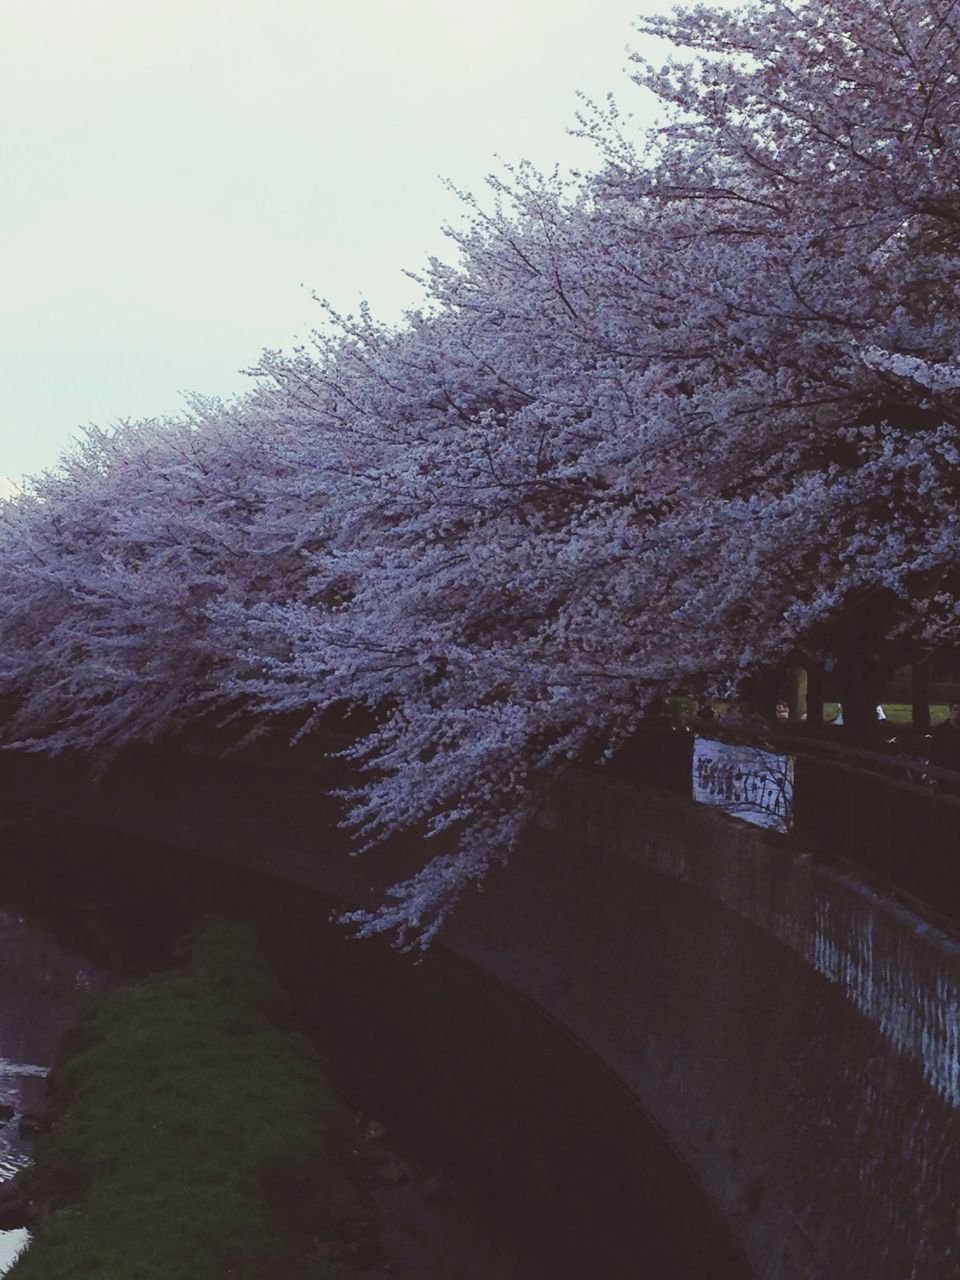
{"x": 746, "y": 781}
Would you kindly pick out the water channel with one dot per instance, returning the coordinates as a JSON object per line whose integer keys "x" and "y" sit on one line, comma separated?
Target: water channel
{"x": 557, "y": 1172}
{"x": 43, "y": 985}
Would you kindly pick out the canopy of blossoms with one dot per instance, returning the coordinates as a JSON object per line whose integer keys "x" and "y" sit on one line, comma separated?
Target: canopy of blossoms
{"x": 659, "y": 428}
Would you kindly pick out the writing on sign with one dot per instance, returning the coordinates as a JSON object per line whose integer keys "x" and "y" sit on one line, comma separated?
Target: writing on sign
{"x": 749, "y": 782}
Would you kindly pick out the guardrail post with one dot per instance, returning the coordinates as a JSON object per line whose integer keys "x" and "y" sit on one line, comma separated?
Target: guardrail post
{"x": 934, "y": 859}
{"x": 920, "y": 696}
{"x": 815, "y": 693}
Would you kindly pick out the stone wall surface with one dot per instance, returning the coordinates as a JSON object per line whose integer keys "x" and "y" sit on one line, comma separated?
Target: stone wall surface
{"x": 792, "y": 1032}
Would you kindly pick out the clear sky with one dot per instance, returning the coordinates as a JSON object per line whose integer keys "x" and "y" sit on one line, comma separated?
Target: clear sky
{"x": 181, "y": 175}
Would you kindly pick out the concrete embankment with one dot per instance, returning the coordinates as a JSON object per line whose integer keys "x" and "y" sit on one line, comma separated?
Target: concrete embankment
{"x": 788, "y": 1029}
{"x": 793, "y": 1030}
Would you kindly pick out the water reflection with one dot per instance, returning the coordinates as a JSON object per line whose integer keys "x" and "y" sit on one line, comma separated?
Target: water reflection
{"x": 12, "y": 1244}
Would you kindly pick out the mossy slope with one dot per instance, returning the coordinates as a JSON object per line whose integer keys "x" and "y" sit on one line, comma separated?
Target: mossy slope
{"x": 190, "y": 1138}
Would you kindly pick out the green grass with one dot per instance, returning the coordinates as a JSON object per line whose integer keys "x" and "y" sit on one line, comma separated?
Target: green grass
{"x": 898, "y": 713}
{"x": 192, "y": 1139}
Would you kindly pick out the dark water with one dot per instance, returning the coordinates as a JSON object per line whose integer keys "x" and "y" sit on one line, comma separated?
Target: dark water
{"x": 43, "y": 984}
{"x": 467, "y": 1079}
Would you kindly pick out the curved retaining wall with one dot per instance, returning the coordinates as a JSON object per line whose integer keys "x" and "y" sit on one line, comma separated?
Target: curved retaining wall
{"x": 792, "y": 1033}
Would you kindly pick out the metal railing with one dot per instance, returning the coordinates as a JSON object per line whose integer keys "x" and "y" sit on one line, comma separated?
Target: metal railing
{"x": 892, "y": 815}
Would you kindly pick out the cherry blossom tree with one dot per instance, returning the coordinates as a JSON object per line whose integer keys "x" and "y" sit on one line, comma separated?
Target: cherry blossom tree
{"x": 111, "y": 565}
{"x": 658, "y": 429}
{"x": 677, "y": 424}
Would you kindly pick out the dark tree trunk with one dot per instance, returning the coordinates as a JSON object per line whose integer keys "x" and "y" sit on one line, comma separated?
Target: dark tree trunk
{"x": 854, "y": 676}
{"x": 797, "y": 687}
{"x": 920, "y": 696}
{"x": 759, "y": 691}
{"x": 815, "y": 692}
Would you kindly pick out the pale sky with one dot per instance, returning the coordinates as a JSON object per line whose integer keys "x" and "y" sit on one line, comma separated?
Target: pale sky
{"x": 179, "y": 176}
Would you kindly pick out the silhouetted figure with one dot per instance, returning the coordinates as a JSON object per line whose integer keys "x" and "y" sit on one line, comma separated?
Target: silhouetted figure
{"x": 945, "y": 740}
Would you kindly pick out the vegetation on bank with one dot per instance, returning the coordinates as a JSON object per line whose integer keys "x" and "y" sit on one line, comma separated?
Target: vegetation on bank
{"x": 190, "y": 1136}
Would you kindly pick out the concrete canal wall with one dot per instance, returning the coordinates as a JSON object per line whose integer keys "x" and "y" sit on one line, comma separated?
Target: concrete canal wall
{"x": 792, "y": 1032}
